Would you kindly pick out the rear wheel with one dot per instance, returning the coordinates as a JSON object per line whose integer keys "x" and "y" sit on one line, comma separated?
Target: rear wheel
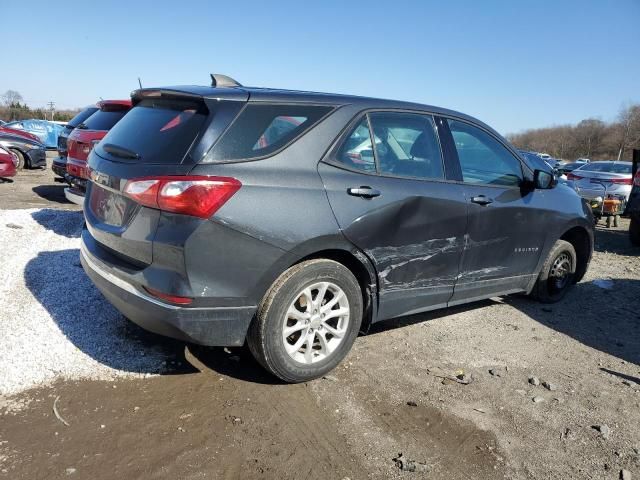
{"x": 556, "y": 276}
{"x": 308, "y": 321}
{"x": 634, "y": 230}
{"x": 21, "y": 161}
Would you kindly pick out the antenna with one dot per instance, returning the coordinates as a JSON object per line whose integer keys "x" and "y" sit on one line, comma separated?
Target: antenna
{"x": 139, "y": 82}
{"x": 218, "y": 80}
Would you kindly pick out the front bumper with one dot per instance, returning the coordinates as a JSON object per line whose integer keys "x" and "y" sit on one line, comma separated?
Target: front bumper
{"x": 37, "y": 157}
{"x": 215, "y": 326}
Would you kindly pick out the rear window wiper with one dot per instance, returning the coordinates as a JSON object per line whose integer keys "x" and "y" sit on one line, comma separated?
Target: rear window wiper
{"x": 82, "y": 126}
{"x": 121, "y": 152}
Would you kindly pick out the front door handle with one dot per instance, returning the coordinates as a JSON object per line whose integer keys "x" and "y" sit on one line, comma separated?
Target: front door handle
{"x": 364, "y": 191}
{"x": 481, "y": 200}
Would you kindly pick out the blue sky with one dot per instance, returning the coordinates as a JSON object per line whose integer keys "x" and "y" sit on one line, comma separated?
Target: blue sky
{"x": 513, "y": 64}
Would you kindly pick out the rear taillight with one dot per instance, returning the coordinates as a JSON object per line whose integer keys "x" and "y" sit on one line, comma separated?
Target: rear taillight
{"x": 87, "y": 147}
{"x": 621, "y": 181}
{"x": 573, "y": 176}
{"x": 636, "y": 179}
{"x": 187, "y": 195}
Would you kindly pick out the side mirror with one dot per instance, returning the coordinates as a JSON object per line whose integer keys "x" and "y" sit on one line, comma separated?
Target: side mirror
{"x": 544, "y": 180}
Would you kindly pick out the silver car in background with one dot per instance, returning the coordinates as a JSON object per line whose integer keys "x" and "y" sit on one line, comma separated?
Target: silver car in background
{"x": 594, "y": 179}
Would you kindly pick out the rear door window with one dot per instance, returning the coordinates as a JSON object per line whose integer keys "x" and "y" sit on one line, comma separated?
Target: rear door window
{"x": 406, "y": 145}
{"x": 263, "y": 129}
{"x": 357, "y": 152}
{"x": 155, "y": 131}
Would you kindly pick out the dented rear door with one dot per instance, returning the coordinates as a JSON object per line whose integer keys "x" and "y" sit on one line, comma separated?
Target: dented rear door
{"x": 413, "y": 232}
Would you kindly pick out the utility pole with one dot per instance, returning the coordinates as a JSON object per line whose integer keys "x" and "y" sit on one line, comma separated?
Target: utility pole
{"x": 51, "y": 105}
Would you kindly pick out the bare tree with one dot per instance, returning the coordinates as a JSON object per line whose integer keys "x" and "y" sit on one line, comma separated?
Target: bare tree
{"x": 11, "y": 97}
{"x": 590, "y": 138}
{"x": 628, "y": 128}
{"x": 589, "y": 134}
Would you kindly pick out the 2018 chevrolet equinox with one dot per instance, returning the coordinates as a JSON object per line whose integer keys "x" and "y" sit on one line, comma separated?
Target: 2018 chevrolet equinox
{"x": 294, "y": 220}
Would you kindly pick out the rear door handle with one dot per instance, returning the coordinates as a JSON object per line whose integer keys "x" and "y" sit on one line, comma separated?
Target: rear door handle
{"x": 364, "y": 191}
{"x": 481, "y": 200}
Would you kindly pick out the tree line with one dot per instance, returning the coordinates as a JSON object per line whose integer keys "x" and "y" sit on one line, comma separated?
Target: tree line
{"x": 13, "y": 107}
{"x": 591, "y": 138}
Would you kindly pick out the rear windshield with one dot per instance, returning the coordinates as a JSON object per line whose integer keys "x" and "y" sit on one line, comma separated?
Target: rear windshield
{"x": 81, "y": 117}
{"x": 156, "y": 131}
{"x": 103, "y": 120}
{"x": 263, "y": 129}
{"x": 622, "y": 167}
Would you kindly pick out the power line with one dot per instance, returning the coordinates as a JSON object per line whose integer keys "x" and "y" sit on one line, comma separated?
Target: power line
{"x": 51, "y": 105}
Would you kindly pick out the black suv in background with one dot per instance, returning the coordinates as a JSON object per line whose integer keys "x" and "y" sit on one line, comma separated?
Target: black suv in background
{"x": 294, "y": 220}
{"x": 59, "y": 164}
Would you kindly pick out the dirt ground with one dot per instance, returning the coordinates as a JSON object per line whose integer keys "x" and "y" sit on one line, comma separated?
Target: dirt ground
{"x": 214, "y": 413}
{"x": 37, "y": 188}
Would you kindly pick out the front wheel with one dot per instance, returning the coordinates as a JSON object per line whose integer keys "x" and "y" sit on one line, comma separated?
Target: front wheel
{"x": 307, "y": 321}
{"x": 556, "y": 276}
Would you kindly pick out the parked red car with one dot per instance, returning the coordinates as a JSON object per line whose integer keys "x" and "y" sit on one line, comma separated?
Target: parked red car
{"x": 20, "y": 133}
{"x": 82, "y": 140}
{"x": 8, "y": 162}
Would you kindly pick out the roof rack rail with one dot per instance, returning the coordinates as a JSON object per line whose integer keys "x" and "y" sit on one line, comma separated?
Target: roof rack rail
{"x": 221, "y": 81}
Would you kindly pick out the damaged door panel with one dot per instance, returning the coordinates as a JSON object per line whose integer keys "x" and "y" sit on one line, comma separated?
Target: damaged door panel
{"x": 503, "y": 244}
{"x": 413, "y": 232}
{"x": 506, "y": 222}
{"x": 413, "y": 227}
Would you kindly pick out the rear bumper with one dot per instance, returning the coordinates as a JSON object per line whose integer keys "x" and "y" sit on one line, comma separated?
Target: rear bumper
{"x": 74, "y": 195}
{"x": 59, "y": 166}
{"x": 216, "y": 326}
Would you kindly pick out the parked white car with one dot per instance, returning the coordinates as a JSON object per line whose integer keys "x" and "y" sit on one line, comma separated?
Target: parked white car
{"x": 594, "y": 178}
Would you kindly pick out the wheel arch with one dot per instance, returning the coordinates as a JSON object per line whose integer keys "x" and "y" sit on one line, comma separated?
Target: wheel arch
{"x": 582, "y": 242}
{"x": 338, "y": 249}
{"x": 361, "y": 267}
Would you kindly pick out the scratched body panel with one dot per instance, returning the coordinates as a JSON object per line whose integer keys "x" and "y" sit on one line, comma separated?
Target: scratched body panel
{"x": 504, "y": 241}
{"x": 413, "y": 233}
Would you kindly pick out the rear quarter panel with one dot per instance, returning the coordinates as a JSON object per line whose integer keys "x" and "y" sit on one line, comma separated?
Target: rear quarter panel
{"x": 282, "y": 203}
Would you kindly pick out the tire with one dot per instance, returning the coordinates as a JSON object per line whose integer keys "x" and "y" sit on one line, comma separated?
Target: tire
{"x": 21, "y": 160}
{"x": 552, "y": 286}
{"x": 634, "y": 231}
{"x": 287, "y": 297}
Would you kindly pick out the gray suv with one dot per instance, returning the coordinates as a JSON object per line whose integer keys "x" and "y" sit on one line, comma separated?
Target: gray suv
{"x": 294, "y": 220}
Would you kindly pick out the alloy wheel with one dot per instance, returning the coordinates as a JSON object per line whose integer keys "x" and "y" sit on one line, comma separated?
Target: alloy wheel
{"x": 316, "y": 322}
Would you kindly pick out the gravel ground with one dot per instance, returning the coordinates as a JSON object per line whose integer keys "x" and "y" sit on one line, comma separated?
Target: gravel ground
{"x": 139, "y": 406}
{"x": 56, "y": 324}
